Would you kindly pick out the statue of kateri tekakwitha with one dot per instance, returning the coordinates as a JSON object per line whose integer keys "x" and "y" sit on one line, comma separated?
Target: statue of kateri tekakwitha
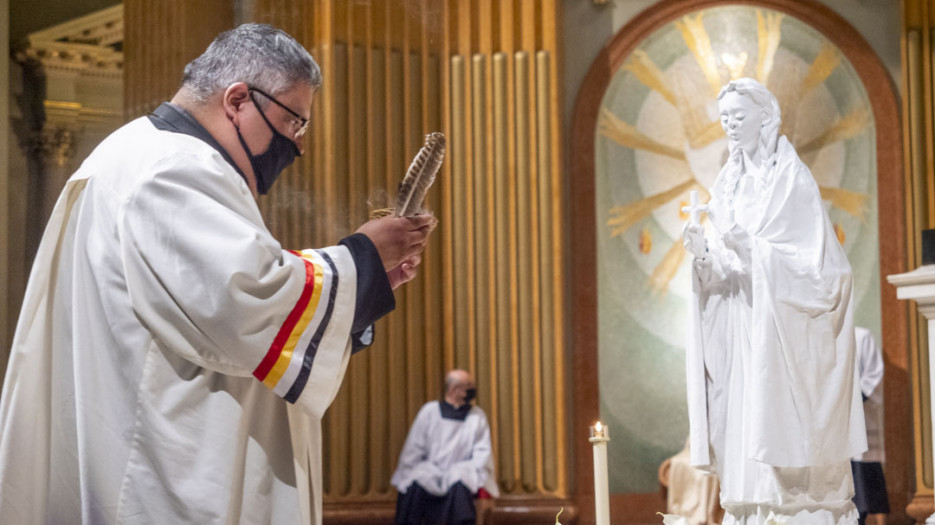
{"x": 774, "y": 408}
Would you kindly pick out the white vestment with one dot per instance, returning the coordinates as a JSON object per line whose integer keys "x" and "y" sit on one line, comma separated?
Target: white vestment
{"x": 172, "y": 362}
{"x": 870, "y": 364}
{"x": 440, "y": 452}
{"x": 774, "y": 407}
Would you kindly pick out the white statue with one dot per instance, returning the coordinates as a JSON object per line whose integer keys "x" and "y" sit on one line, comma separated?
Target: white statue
{"x": 774, "y": 407}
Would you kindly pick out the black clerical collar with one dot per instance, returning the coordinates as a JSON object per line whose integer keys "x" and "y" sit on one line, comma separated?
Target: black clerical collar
{"x": 169, "y": 117}
{"x": 450, "y": 412}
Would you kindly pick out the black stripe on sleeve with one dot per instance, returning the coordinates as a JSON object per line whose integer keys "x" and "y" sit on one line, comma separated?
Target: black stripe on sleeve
{"x": 293, "y": 395}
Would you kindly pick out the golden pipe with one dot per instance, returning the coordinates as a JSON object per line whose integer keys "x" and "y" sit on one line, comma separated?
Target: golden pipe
{"x": 341, "y": 446}
{"x": 524, "y": 262}
{"x": 432, "y": 271}
{"x": 401, "y": 414}
{"x": 328, "y": 95}
{"x": 448, "y": 193}
{"x": 429, "y": 291}
{"x": 508, "y": 45}
{"x": 465, "y": 49}
{"x": 507, "y": 468}
{"x": 481, "y": 239}
{"x": 486, "y": 45}
{"x": 415, "y": 336}
{"x": 458, "y": 154}
{"x": 551, "y": 32}
{"x": 550, "y": 389}
{"x": 361, "y": 427}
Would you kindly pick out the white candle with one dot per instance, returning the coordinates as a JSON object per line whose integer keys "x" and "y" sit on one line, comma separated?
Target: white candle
{"x": 599, "y": 438}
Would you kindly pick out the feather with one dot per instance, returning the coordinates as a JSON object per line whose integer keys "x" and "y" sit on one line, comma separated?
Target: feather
{"x": 420, "y": 176}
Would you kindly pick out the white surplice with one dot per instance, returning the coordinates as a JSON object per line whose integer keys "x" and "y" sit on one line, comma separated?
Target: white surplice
{"x": 774, "y": 407}
{"x": 870, "y": 365}
{"x": 172, "y": 362}
{"x": 440, "y": 452}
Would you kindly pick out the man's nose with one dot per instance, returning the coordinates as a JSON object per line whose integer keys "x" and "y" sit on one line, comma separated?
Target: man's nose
{"x": 300, "y": 143}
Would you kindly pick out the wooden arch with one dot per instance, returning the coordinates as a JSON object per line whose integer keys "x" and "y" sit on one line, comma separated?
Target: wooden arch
{"x": 641, "y": 508}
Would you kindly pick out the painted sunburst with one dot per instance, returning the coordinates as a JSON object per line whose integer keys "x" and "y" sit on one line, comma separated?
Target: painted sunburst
{"x": 658, "y": 137}
{"x": 694, "y": 98}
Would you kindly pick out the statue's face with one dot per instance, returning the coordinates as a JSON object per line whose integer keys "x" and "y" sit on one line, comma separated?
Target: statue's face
{"x": 742, "y": 120}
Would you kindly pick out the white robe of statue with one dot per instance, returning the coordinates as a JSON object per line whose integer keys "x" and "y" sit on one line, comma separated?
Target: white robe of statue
{"x": 774, "y": 408}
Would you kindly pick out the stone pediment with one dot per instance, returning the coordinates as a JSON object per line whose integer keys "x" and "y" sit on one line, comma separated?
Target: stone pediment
{"x": 89, "y": 45}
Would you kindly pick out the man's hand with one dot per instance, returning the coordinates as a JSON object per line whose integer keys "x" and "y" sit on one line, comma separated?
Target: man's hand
{"x": 693, "y": 240}
{"x": 405, "y": 272}
{"x": 399, "y": 240}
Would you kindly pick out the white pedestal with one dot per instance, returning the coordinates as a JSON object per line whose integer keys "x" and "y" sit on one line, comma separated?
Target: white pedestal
{"x": 919, "y": 286}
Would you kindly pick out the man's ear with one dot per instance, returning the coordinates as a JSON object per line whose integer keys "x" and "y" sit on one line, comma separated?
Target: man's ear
{"x": 234, "y": 99}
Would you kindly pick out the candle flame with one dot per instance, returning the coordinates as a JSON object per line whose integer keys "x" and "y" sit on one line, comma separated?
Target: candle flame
{"x": 597, "y": 426}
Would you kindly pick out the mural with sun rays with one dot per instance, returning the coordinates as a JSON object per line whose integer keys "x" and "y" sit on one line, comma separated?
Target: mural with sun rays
{"x": 657, "y": 138}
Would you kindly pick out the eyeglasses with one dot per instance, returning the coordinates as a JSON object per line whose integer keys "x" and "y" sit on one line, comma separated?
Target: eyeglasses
{"x": 302, "y": 121}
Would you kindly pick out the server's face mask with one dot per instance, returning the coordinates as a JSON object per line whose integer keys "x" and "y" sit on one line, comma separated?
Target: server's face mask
{"x": 281, "y": 152}
{"x": 470, "y": 395}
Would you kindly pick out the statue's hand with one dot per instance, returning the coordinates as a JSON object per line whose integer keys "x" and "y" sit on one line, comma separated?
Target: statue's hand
{"x": 738, "y": 240}
{"x": 693, "y": 240}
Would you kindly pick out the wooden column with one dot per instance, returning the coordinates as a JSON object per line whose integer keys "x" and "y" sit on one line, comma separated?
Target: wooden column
{"x": 918, "y": 108}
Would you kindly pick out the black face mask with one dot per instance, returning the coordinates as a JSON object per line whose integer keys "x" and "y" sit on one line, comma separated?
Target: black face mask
{"x": 268, "y": 165}
{"x": 470, "y": 395}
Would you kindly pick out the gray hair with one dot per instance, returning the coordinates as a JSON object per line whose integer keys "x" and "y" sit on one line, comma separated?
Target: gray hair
{"x": 763, "y": 98}
{"x": 260, "y": 55}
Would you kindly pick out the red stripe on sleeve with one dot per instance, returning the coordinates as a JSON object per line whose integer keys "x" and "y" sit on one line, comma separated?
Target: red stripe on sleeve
{"x": 273, "y": 354}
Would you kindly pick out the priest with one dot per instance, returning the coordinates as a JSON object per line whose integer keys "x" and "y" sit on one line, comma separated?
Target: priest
{"x": 446, "y": 462}
{"x": 774, "y": 407}
{"x": 172, "y": 361}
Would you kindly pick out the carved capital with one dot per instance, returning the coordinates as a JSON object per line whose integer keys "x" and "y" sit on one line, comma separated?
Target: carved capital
{"x": 54, "y": 144}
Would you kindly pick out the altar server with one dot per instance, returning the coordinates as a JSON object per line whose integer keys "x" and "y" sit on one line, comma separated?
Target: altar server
{"x": 172, "y": 361}
{"x": 447, "y": 460}
{"x": 869, "y": 481}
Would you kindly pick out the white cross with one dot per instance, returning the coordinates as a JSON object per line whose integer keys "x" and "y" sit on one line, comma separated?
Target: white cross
{"x": 694, "y": 209}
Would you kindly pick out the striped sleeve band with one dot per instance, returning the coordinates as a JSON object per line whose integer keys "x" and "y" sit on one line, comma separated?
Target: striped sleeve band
{"x": 286, "y": 366}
